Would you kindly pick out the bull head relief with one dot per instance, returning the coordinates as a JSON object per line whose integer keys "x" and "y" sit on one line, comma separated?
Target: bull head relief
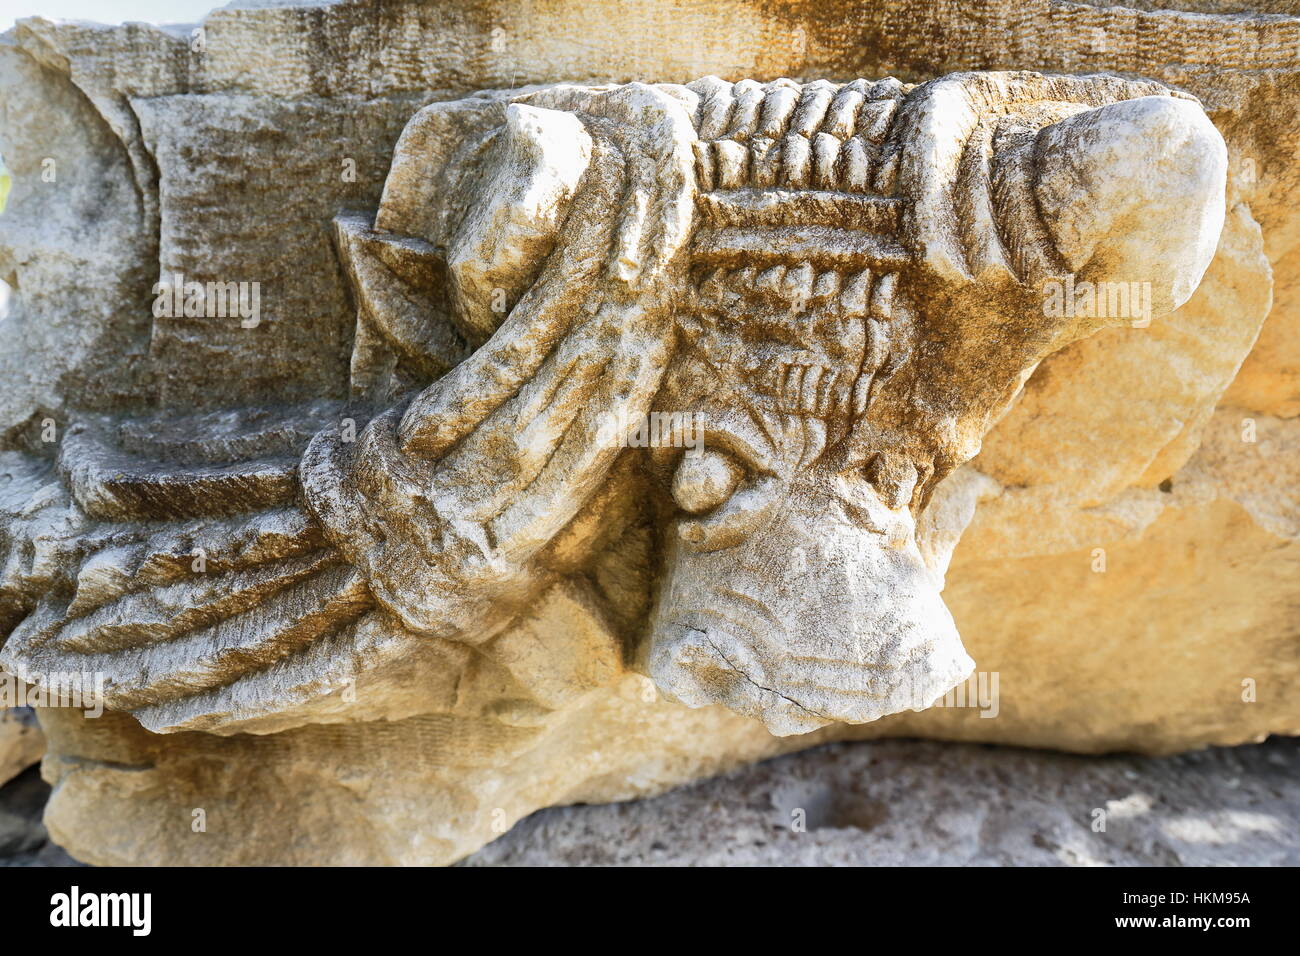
{"x": 821, "y": 295}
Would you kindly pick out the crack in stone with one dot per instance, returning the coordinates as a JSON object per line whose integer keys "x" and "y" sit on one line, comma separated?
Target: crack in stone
{"x": 735, "y": 667}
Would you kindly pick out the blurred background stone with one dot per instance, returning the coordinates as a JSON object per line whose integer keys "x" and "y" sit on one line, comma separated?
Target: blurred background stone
{"x": 21, "y": 741}
{"x": 23, "y": 839}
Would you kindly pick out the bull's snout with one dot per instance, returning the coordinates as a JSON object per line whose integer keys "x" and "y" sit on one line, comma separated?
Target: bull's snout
{"x": 812, "y": 620}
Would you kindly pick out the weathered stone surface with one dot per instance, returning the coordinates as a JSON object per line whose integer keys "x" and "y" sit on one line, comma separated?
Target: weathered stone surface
{"x": 1125, "y": 555}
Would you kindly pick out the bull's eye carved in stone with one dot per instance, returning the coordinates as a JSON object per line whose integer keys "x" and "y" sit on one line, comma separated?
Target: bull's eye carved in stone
{"x": 816, "y": 299}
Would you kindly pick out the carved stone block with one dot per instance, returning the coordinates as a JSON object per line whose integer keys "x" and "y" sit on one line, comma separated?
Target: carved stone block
{"x": 501, "y": 447}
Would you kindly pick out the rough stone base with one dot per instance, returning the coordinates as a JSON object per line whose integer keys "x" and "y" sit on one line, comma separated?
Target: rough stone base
{"x": 910, "y": 803}
{"x": 902, "y": 802}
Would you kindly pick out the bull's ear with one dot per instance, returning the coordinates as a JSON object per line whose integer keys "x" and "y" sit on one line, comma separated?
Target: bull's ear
{"x": 1133, "y": 193}
{"x": 521, "y": 197}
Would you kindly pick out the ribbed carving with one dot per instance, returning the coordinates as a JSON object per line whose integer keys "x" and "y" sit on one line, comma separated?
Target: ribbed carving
{"x": 784, "y": 135}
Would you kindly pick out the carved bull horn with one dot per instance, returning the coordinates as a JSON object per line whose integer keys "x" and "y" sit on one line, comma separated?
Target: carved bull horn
{"x": 499, "y": 247}
{"x": 1040, "y": 209}
{"x": 1133, "y": 192}
{"x": 452, "y": 249}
